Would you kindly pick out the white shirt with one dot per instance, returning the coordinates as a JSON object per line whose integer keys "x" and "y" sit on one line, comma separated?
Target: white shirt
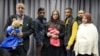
{"x": 86, "y": 40}
{"x": 21, "y": 20}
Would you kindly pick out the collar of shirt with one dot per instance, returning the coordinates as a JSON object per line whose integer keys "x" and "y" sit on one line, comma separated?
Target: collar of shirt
{"x": 20, "y": 17}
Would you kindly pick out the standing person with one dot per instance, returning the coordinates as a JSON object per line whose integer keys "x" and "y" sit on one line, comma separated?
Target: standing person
{"x": 40, "y": 29}
{"x": 76, "y": 22}
{"x": 87, "y": 38}
{"x": 53, "y": 42}
{"x": 27, "y": 29}
{"x": 71, "y": 27}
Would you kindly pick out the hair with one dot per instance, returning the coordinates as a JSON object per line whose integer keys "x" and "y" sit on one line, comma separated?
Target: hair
{"x": 54, "y": 23}
{"x": 88, "y": 17}
{"x": 57, "y": 13}
{"x": 69, "y": 9}
{"x": 81, "y": 11}
{"x": 40, "y": 9}
{"x": 20, "y": 4}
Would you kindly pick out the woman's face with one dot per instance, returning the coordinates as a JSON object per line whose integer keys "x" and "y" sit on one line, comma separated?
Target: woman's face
{"x": 84, "y": 20}
{"x": 55, "y": 15}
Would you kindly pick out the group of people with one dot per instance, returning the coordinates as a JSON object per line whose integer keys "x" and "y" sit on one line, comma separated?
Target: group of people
{"x": 71, "y": 37}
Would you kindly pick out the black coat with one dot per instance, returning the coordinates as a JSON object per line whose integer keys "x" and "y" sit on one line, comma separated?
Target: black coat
{"x": 68, "y": 30}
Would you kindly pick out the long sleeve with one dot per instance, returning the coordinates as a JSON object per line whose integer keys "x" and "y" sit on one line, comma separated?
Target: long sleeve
{"x": 36, "y": 30}
{"x": 73, "y": 34}
{"x": 8, "y": 23}
{"x": 95, "y": 48}
{"x": 61, "y": 35}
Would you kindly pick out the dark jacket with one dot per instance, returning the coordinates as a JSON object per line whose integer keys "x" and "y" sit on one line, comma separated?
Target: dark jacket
{"x": 68, "y": 30}
{"x": 79, "y": 20}
{"x": 40, "y": 29}
{"x": 27, "y": 28}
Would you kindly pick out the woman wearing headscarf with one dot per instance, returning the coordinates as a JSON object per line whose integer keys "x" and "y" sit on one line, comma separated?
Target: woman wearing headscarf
{"x": 87, "y": 38}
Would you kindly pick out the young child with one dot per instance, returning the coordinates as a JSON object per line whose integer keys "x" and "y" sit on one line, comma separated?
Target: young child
{"x": 12, "y": 41}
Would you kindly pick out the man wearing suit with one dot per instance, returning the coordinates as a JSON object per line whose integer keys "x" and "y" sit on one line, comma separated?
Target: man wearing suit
{"x": 27, "y": 29}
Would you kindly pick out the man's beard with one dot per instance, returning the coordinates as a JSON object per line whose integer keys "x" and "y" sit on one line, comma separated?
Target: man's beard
{"x": 80, "y": 16}
{"x": 20, "y": 14}
{"x": 41, "y": 16}
{"x": 69, "y": 16}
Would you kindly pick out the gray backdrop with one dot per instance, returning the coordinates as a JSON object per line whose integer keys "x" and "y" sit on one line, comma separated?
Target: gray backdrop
{"x": 7, "y": 8}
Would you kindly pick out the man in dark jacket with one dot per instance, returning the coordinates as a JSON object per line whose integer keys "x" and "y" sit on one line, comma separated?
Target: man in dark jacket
{"x": 79, "y": 17}
{"x": 27, "y": 29}
{"x": 40, "y": 29}
{"x": 71, "y": 27}
{"x": 70, "y": 31}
